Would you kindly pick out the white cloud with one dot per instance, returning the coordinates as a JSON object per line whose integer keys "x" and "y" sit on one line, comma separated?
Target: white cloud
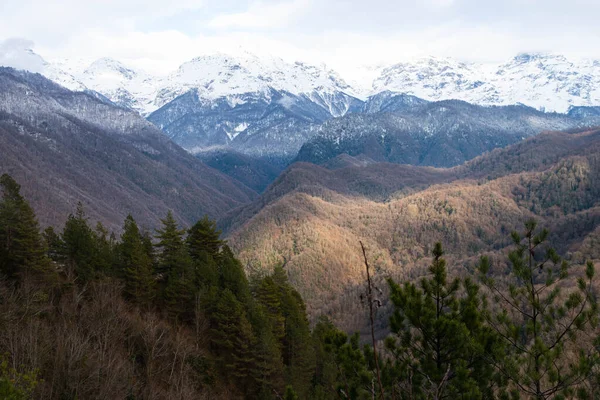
{"x": 15, "y": 53}
{"x": 261, "y": 15}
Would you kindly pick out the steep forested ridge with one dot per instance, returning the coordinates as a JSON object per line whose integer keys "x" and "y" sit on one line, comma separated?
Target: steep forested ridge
{"x": 312, "y": 218}
{"x": 67, "y": 147}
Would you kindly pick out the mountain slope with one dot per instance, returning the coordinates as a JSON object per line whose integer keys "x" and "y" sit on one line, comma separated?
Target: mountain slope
{"x": 441, "y": 134}
{"x": 312, "y": 218}
{"x": 69, "y": 146}
{"x": 269, "y": 124}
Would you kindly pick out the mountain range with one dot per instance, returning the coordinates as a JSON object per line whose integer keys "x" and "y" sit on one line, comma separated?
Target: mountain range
{"x": 549, "y": 82}
{"x": 268, "y": 109}
{"x": 394, "y": 170}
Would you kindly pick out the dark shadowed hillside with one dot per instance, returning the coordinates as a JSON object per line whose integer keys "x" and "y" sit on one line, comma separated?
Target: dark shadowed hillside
{"x": 67, "y": 147}
{"x": 439, "y": 134}
{"x": 255, "y": 172}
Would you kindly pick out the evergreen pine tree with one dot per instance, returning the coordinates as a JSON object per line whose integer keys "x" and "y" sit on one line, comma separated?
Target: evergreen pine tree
{"x": 290, "y": 393}
{"x": 135, "y": 265}
{"x": 81, "y": 253}
{"x": 149, "y": 248}
{"x": 105, "y": 250}
{"x": 204, "y": 237}
{"x": 267, "y": 369}
{"x": 324, "y": 382}
{"x": 170, "y": 245}
{"x": 232, "y": 340}
{"x": 438, "y": 338}
{"x": 55, "y": 247}
{"x": 179, "y": 293}
{"x": 298, "y": 352}
{"x": 341, "y": 369}
{"x": 232, "y": 275}
{"x": 21, "y": 245}
{"x": 289, "y": 324}
{"x": 176, "y": 267}
{"x": 269, "y": 295}
{"x": 547, "y": 328}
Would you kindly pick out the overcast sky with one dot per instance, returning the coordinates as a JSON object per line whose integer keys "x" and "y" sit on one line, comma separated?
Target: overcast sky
{"x": 158, "y": 35}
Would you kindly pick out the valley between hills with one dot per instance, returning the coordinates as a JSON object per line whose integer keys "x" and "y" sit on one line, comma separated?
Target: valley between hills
{"x": 312, "y": 219}
{"x": 69, "y": 147}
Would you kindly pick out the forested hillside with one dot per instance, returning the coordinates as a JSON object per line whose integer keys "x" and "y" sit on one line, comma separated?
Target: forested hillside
{"x": 440, "y": 134}
{"x": 172, "y": 315}
{"x": 68, "y": 146}
{"x": 313, "y": 218}
{"x": 149, "y": 315}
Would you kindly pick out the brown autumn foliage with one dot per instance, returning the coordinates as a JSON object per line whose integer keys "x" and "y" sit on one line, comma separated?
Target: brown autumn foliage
{"x": 313, "y": 218}
{"x": 91, "y": 344}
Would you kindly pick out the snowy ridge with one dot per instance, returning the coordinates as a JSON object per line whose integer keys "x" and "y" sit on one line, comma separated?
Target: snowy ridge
{"x": 542, "y": 81}
{"x": 213, "y": 76}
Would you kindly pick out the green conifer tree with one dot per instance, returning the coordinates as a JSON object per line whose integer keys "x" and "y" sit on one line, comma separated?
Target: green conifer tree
{"x": 232, "y": 276}
{"x": 135, "y": 265}
{"x": 297, "y": 350}
{"x": 105, "y": 250}
{"x": 269, "y": 295}
{"x": 290, "y": 393}
{"x": 267, "y": 369}
{"x": 176, "y": 267}
{"x": 81, "y": 251}
{"x": 179, "y": 293}
{"x": 341, "y": 369}
{"x": 324, "y": 382}
{"x": 547, "y": 327}
{"x": 21, "y": 245}
{"x": 170, "y": 245}
{"x": 55, "y": 247}
{"x": 438, "y": 338}
{"x": 233, "y": 341}
{"x": 204, "y": 237}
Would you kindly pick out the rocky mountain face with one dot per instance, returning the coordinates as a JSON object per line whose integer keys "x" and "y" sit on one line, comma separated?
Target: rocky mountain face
{"x": 273, "y": 123}
{"x": 66, "y": 147}
{"x": 440, "y": 134}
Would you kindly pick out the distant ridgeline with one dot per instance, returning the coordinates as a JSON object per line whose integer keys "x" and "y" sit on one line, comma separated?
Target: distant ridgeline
{"x": 171, "y": 314}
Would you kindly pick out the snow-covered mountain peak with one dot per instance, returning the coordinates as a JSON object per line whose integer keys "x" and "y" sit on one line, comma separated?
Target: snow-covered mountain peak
{"x": 523, "y": 58}
{"x": 430, "y": 78}
{"x": 221, "y": 74}
{"x": 18, "y": 54}
{"x": 110, "y": 66}
{"x": 541, "y": 80}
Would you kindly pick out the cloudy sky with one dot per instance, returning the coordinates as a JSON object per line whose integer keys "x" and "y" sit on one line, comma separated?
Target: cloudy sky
{"x": 158, "y": 35}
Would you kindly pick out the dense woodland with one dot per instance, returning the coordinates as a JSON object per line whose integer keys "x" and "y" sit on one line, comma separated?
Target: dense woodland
{"x": 172, "y": 315}
{"x": 312, "y": 218}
